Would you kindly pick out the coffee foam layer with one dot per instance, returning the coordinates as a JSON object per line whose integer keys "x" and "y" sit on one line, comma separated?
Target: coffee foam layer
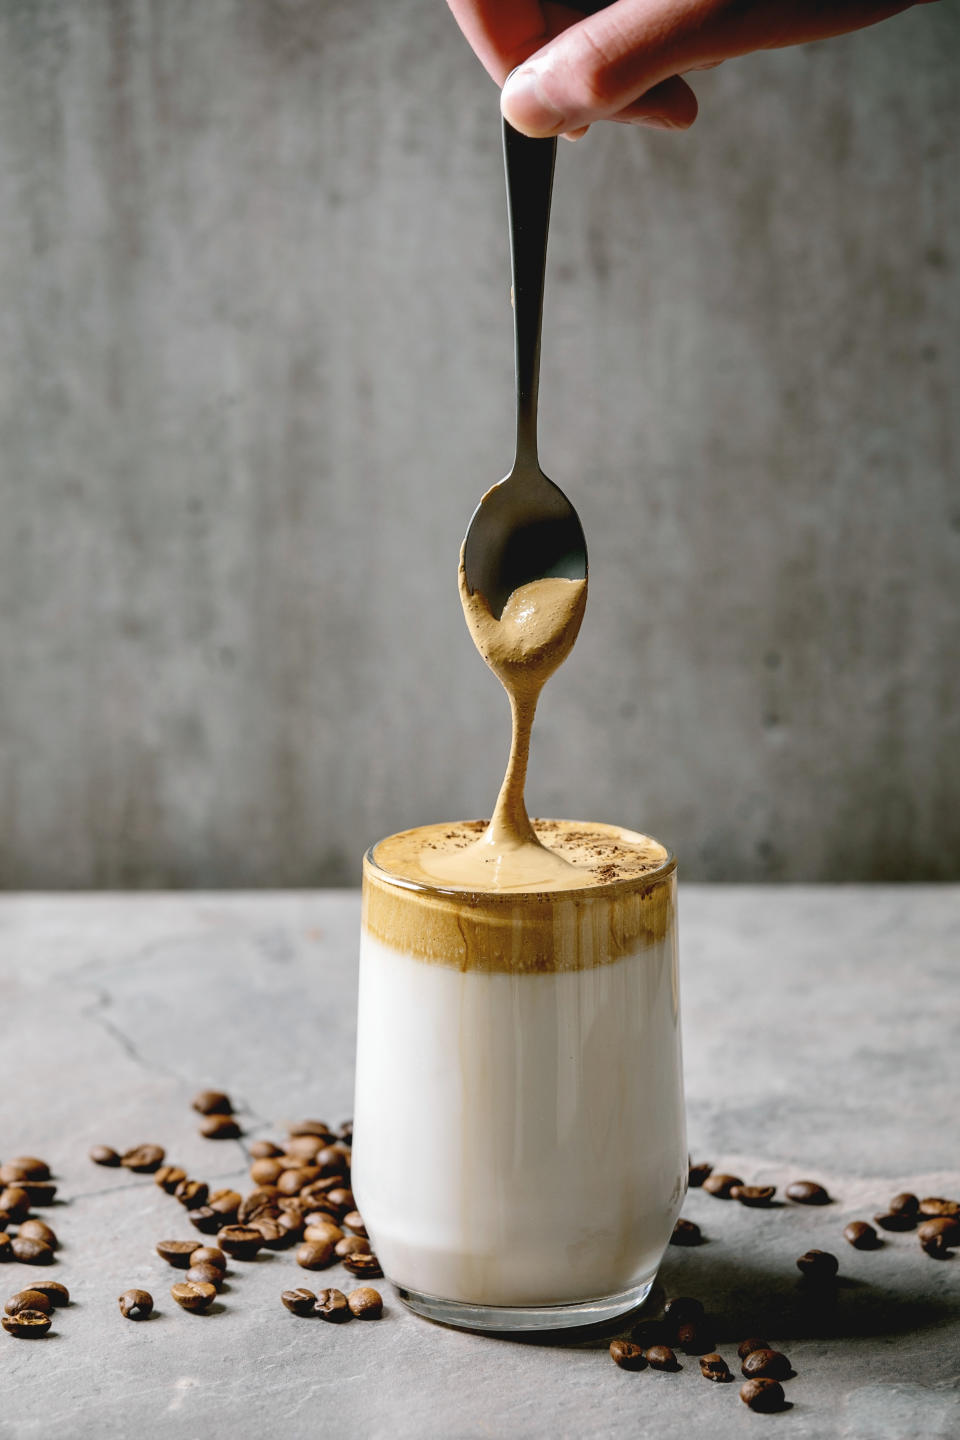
{"x": 623, "y": 902}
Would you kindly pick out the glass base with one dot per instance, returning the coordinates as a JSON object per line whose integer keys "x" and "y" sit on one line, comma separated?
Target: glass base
{"x": 507, "y": 1318}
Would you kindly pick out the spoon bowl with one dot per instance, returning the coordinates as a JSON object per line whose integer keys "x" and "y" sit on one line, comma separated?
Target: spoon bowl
{"x": 525, "y": 528}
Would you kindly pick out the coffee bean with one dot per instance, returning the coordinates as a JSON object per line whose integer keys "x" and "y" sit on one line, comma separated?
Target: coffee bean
{"x": 304, "y": 1147}
{"x": 765, "y": 1365}
{"x": 192, "y": 1193}
{"x": 38, "y": 1230}
{"x": 39, "y": 1192}
{"x": 30, "y": 1251}
{"x": 331, "y": 1161}
{"x": 696, "y": 1174}
{"x": 714, "y": 1367}
{"x": 219, "y": 1127}
{"x": 686, "y": 1232}
{"x": 240, "y": 1241}
{"x": 299, "y": 1302}
{"x": 904, "y": 1204}
{"x": 807, "y": 1192}
{"x": 747, "y": 1347}
{"x": 5, "y": 1220}
{"x": 275, "y": 1236}
{"x": 661, "y": 1357}
{"x": 226, "y": 1202}
{"x": 818, "y": 1265}
{"x": 936, "y": 1247}
{"x": 143, "y": 1159}
{"x": 264, "y": 1149}
{"x": 896, "y": 1220}
{"x": 682, "y": 1309}
{"x": 352, "y": 1245}
{"x": 191, "y": 1295}
{"x": 209, "y": 1255}
{"x": 756, "y": 1197}
{"x": 622, "y": 1352}
{"x": 291, "y": 1224}
{"x": 104, "y": 1155}
{"x": 207, "y": 1220}
{"x": 205, "y": 1275}
{"x": 56, "y": 1293}
{"x": 720, "y": 1186}
{"x": 258, "y": 1202}
{"x": 365, "y": 1266}
{"x": 694, "y": 1337}
{"x": 329, "y": 1234}
{"x": 15, "y": 1201}
{"x": 6, "y": 1247}
{"x": 945, "y": 1228}
{"x": 321, "y": 1212}
{"x": 27, "y": 1300}
{"x": 342, "y": 1198}
{"x": 332, "y": 1305}
{"x": 265, "y": 1172}
{"x": 345, "y": 1132}
{"x": 23, "y": 1167}
{"x": 177, "y": 1252}
{"x": 314, "y": 1256}
{"x": 168, "y": 1177}
{"x": 291, "y": 1182}
{"x": 27, "y": 1324}
{"x": 311, "y": 1127}
{"x": 136, "y": 1304}
{"x": 212, "y": 1102}
{"x": 764, "y": 1396}
{"x": 934, "y": 1206}
{"x": 353, "y": 1221}
{"x": 862, "y": 1236}
{"x": 366, "y": 1304}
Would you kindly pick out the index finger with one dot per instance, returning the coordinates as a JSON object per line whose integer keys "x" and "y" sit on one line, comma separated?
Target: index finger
{"x": 504, "y": 33}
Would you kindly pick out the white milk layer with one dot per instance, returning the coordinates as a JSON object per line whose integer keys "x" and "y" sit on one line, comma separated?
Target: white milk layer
{"x": 519, "y": 1139}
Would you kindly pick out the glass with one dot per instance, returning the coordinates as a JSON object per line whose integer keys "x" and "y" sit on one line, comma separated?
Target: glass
{"x": 519, "y": 1141}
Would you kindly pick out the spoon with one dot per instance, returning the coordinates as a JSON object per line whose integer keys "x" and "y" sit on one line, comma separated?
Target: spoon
{"x": 524, "y": 528}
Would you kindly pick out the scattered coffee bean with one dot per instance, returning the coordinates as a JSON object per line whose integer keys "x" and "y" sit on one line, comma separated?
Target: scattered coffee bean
{"x": 291, "y": 1182}
{"x": 299, "y": 1302}
{"x": 351, "y": 1245}
{"x": 765, "y": 1365}
{"x": 686, "y": 1232}
{"x": 934, "y": 1206}
{"x": 136, "y": 1304}
{"x": 807, "y": 1192}
{"x": 365, "y": 1266}
{"x": 353, "y": 1221}
{"x": 209, "y": 1255}
{"x": 219, "y": 1127}
{"x": 38, "y": 1230}
{"x": 15, "y": 1201}
{"x": 313, "y": 1255}
{"x": 896, "y": 1220}
{"x": 365, "y": 1304}
{"x": 177, "y": 1252}
{"x": 322, "y": 1212}
{"x": 30, "y": 1251}
{"x": 818, "y": 1265}
{"x": 694, "y": 1337}
{"x": 936, "y": 1247}
{"x": 23, "y": 1167}
{"x": 240, "y": 1241}
{"x": 6, "y": 1247}
{"x": 258, "y": 1202}
{"x": 143, "y": 1159}
{"x": 697, "y": 1174}
{"x": 193, "y": 1296}
{"x": 861, "y": 1235}
{"x": 104, "y": 1155}
{"x": 747, "y": 1347}
{"x": 304, "y": 1147}
{"x": 274, "y": 1235}
{"x": 192, "y": 1193}
{"x": 904, "y": 1204}
{"x": 332, "y": 1305}
{"x": 661, "y": 1357}
{"x": 682, "y": 1309}
{"x": 168, "y": 1177}
{"x": 207, "y": 1220}
{"x": 56, "y": 1293}
{"x": 756, "y": 1197}
{"x": 264, "y": 1149}
{"x": 764, "y": 1396}
{"x": 39, "y": 1192}
{"x": 622, "y": 1352}
{"x": 325, "y": 1234}
{"x": 212, "y": 1102}
{"x": 342, "y": 1198}
{"x": 205, "y": 1275}
{"x": 311, "y": 1127}
{"x": 720, "y": 1186}
{"x": 27, "y": 1300}
{"x": 944, "y": 1228}
{"x": 714, "y": 1367}
{"x": 265, "y": 1172}
{"x": 27, "y": 1324}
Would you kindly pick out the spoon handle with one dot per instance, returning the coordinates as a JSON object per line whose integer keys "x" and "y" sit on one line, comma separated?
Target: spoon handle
{"x": 529, "y": 169}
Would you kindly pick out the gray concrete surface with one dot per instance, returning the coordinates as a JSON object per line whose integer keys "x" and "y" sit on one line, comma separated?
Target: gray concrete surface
{"x": 255, "y": 370}
{"x": 819, "y": 1026}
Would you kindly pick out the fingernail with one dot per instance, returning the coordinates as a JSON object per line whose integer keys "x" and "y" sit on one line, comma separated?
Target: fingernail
{"x": 576, "y": 134}
{"x": 524, "y": 104}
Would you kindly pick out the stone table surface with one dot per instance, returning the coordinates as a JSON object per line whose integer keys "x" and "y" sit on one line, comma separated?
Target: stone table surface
{"x": 822, "y": 1036}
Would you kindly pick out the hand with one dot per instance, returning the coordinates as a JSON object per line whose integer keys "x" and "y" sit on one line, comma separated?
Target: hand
{"x": 624, "y": 62}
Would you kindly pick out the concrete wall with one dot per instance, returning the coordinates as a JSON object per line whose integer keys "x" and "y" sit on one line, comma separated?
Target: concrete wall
{"x": 256, "y": 369}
